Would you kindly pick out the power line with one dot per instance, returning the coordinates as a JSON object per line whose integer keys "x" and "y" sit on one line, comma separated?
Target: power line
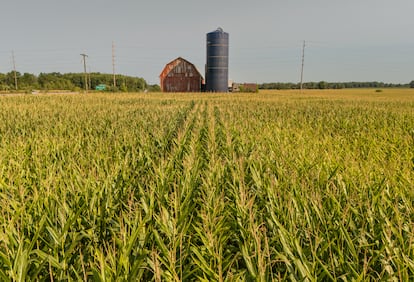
{"x": 303, "y": 63}
{"x": 84, "y": 70}
{"x": 14, "y": 68}
{"x": 113, "y": 63}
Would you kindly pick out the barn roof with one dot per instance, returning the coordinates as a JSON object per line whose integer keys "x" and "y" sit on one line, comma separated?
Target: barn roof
{"x": 166, "y": 69}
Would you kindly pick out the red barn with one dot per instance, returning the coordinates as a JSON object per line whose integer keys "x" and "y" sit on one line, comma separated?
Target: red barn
{"x": 180, "y": 76}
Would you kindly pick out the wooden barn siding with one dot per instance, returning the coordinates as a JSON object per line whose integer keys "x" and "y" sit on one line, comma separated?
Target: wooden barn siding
{"x": 180, "y": 76}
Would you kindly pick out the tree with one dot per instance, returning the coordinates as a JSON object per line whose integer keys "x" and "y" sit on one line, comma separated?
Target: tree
{"x": 322, "y": 85}
{"x": 28, "y": 81}
{"x": 54, "y": 80}
{"x": 70, "y": 81}
{"x": 412, "y": 84}
{"x": 10, "y": 81}
{"x": 154, "y": 88}
{"x": 3, "y": 84}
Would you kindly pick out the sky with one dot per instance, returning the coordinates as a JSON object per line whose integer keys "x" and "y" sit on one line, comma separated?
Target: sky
{"x": 352, "y": 40}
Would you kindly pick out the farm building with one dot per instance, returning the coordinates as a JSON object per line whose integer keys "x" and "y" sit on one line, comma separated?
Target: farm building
{"x": 180, "y": 76}
{"x": 217, "y": 66}
{"x": 244, "y": 87}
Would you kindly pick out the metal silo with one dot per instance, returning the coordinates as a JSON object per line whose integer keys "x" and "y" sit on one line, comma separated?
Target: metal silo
{"x": 217, "y": 66}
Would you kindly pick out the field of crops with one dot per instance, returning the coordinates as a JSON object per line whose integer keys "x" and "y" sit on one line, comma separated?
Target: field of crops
{"x": 217, "y": 187}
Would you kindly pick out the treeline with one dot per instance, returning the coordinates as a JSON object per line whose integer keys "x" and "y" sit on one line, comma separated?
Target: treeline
{"x": 332, "y": 85}
{"x": 72, "y": 82}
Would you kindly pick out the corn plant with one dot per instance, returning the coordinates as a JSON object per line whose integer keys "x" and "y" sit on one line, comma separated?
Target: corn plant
{"x": 270, "y": 186}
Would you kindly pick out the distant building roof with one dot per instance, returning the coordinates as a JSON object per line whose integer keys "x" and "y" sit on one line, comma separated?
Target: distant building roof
{"x": 168, "y": 67}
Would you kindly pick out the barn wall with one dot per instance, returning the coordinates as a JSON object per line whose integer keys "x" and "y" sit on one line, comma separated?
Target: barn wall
{"x": 180, "y": 76}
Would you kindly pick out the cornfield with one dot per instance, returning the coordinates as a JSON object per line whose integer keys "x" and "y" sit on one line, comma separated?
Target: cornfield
{"x": 272, "y": 186}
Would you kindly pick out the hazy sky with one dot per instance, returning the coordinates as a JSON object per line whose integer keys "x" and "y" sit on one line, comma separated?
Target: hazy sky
{"x": 352, "y": 40}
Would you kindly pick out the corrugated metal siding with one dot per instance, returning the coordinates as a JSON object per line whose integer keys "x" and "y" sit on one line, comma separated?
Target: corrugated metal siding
{"x": 217, "y": 67}
{"x": 180, "y": 76}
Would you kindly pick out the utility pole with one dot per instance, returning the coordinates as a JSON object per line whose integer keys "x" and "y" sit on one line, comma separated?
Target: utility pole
{"x": 84, "y": 70}
{"x": 14, "y": 68}
{"x": 113, "y": 63}
{"x": 303, "y": 64}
